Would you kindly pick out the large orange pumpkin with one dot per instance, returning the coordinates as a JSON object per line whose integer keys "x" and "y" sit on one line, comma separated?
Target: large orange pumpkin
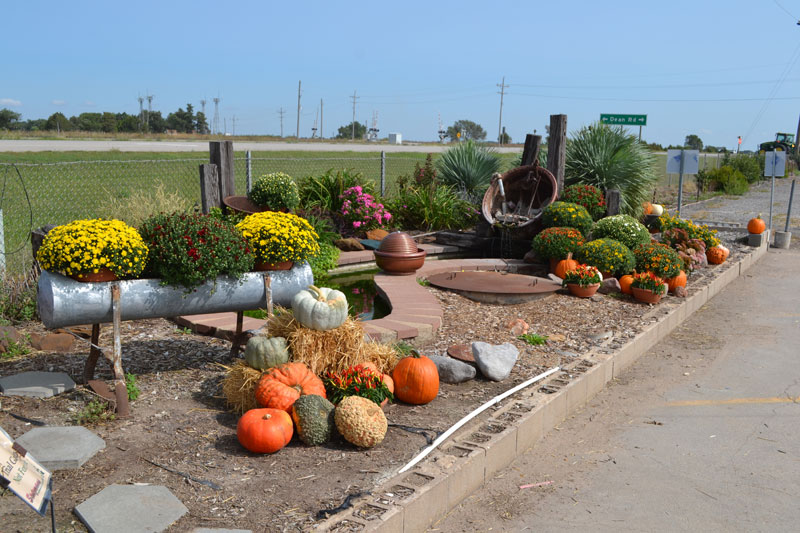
{"x": 565, "y": 265}
{"x": 677, "y": 281}
{"x": 715, "y": 255}
{"x": 756, "y": 225}
{"x": 625, "y": 284}
{"x": 282, "y": 385}
{"x": 416, "y": 379}
{"x": 264, "y": 430}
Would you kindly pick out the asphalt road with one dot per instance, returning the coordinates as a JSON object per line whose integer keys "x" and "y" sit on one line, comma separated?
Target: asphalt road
{"x": 701, "y": 434}
{"x": 202, "y": 146}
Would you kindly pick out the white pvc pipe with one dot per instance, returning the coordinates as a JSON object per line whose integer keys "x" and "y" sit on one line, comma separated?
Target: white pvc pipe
{"x": 473, "y": 414}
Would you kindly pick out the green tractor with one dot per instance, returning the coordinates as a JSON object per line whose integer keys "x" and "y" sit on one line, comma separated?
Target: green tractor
{"x": 784, "y": 142}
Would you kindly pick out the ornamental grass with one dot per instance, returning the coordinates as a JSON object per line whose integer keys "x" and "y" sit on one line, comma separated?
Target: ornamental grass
{"x": 279, "y": 237}
{"x": 86, "y": 246}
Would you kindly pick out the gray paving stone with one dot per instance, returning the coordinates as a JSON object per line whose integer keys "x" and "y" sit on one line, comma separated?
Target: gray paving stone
{"x": 130, "y": 508}
{"x": 61, "y": 448}
{"x": 212, "y": 530}
{"x": 36, "y": 384}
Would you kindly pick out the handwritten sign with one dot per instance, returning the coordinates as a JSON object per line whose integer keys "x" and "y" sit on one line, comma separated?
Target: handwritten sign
{"x": 23, "y": 474}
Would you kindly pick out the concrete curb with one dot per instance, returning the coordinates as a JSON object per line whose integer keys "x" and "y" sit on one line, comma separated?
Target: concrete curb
{"x": 410, "y": 502}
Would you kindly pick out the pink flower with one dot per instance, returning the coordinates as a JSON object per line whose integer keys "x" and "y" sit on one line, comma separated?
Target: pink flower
{"x": 356, "y": 224}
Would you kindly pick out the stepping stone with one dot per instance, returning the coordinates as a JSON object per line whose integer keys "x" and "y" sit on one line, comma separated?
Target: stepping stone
{"x": 36, "y": 384}
{"x": 131, "y": 508}
{"x": 61, "y": 448}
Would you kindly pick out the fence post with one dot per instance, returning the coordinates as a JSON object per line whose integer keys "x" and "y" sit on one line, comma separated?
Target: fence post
{"x": 209, "y": 188}
{"x": 383, "y": 172}
{"x": 249, "y": 175}
{"x": 221, "y": 155}
{"x": 557, "y": 149}
{"x": 530, "y": 152}
{"x": 613, "y": 200}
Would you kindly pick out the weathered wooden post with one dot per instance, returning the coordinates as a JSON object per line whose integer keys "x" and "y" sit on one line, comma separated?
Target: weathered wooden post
{"x": 613, "y": 200}
{"x": 530, "y": 152}
{"x": 209, "y": 188}
{"x": 557, "y": 149}
{"x": 221, "y": 154}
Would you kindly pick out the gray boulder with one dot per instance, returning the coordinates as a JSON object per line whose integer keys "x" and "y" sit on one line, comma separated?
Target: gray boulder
{"x": 452, "y": 370}
{"x": 495, "y": 361}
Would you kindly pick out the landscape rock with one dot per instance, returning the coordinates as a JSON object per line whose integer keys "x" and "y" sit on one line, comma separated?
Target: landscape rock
{"x": 495, "y": 361}
{"x": 517, "y": 327}
{"x": 8, "y": 335}
{"x": 348, "y": 245}
{"x": 452, "y": 370}
{"x": 52, "y": 342}
{"x": 681, "y": 292}
{"x": 377, "y": 234}
{"x": 609, "y": 286}
{"x": 530, "y": 257}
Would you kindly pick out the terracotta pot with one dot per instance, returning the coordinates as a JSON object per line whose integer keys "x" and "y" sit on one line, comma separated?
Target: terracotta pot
{"x": 262, "y": 266}
{"x": 553, "y": 264}
{"x": 400, "y": 264}
{"x": 583, "y": 292}
{"x": 645, "y": 295}
{"x": 101, "y": 275}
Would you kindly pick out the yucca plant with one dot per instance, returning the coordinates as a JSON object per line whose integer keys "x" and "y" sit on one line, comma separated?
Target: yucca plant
{"x": 468, "y": 168}
{"x": 609, "y": 158}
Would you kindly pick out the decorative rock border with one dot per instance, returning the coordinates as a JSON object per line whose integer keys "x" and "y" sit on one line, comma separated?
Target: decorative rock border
{"x": 411, "y": 501}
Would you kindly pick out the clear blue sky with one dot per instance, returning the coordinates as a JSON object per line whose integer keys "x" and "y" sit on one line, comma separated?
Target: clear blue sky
{"x": 705, "y": 67}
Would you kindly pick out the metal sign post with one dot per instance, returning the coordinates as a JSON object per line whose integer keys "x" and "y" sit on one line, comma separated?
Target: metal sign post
{"x": 682, "y": 162}
{"x": 774, "y": 165}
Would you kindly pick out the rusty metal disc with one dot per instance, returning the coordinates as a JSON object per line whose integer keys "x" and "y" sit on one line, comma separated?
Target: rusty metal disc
{"x": 462, "y": 352}
{"x": 495, "y": 287}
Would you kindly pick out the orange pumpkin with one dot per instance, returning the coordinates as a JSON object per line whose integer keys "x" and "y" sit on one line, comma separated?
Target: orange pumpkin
{"x": 677, "y": 281}
{"x": 416, "y": 379}
{"x": 389, "y": 382}
{"x": 282, "y": 385}
{"x": 625, "y": 283}
{"x": 264, "y": 430}
{"x": 565, "y": 265}
{"x": 716, "y": 255}
{"x": 648, "y": 208}
{"x": 756, "y": 225}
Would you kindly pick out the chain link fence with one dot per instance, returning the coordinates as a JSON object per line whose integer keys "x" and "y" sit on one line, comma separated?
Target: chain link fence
{"x": 33, "y": 195}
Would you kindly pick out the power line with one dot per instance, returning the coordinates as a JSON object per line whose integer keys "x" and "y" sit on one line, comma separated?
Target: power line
{"x": 668, "y": 86}
{"x": 590, "y": 98}
{"x": 785, "y": 10}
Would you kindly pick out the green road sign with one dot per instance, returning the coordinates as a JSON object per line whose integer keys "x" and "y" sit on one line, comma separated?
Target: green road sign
{"x": 624, "y": 120}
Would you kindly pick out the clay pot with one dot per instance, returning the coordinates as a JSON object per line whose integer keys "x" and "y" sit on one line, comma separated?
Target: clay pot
{"x": 101, "y": 275}
{"x": 398, "y": 242}
{"x": 645, "y": 295}
{"x": 400, "y": 264}
{"x": 262, "y": 266}
{"x": 583, "y": 292}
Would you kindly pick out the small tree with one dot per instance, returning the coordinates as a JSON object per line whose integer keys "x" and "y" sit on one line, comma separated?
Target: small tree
{"x": 200, "y": 123}
{"x": 346, "y": 132}
{"x": 8, "y": 118}
{"x": 58, "y": 122}
{"x": 693, "y": 142}
{"x": 471, "y": 131}
{"x": 182, "y": 121}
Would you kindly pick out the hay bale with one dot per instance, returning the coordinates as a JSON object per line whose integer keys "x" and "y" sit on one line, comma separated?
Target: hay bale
{"x": 239, "y": 387}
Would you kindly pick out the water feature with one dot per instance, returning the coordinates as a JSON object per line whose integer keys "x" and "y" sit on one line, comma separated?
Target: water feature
{"x": 361, "y": 293}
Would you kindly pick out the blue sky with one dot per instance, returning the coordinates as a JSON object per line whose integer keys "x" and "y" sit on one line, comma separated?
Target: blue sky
{"x": 714, "y": 68}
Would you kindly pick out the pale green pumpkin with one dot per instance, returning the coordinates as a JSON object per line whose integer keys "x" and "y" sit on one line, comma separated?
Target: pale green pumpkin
{"x": 263, "y": 352}
{"x": 320, "y": 308}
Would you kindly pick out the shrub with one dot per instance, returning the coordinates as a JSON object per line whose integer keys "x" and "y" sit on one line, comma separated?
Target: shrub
{"x": 567, "y": 215}
{"x": 468, "y": 168}
{"x": 191, "y": 249}
{"x": 143, "y": 204}
{"x": 609, "y": 158}
{"x": 431, "y": 207}
{"x": 557, "y": 242}
{"x": 609, "y": 256}
{"x": 325, "y": 191}
{"x": 751, "y": 166}
{"x": 361, "y": 212}
{"x": 693, "y": 231}
{"x": 728, "y": 180}
{"x": 327, "y": 259}
{"x": 622, "y": 228}
{"x": 657, "y": 258}
{"x": 275, "y": 191}
{"x": 588, "y": 196}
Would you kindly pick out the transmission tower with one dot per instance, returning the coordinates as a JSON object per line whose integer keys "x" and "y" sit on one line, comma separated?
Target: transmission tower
{"x": 372, "y": 134}
{"x": 149, "y": 110}
{"x": 442, "y": 132}
{"x": 314, "y": 128}
{"x": 141, "y": 114}
{"x": 203, "y": 106}
{"x": 215, "y": 123}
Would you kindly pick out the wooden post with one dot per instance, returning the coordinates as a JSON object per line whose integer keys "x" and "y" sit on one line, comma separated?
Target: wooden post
{"x": 557, "y": 149}
{"x": 209, "y": 188}
{"x": 221, "y": 153}
{"x": 613, "y": 199}
{"x": 530, "y": 152}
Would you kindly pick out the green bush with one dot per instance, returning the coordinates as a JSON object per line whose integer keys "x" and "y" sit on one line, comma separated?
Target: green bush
{"x": 607, "y": 157}
{"x": 588, "y": 196}
{"x": 728, "y": 180}
{"x": 276, "y": 191}
{"x": 325, "y": 260}
{"x": 751, "y": 166}
{"x": 468, "y": 168}
{"x": 556, "y": 243}
{"x": 18, "y": 298}
{"x": 430, "y": 208}
{"x": 567, "y": 215}
{"x": 325, "y": 191}
{"x": 657, "y": 258}
{"x": 622, "y": 228}
{"x": 608, "y": 255}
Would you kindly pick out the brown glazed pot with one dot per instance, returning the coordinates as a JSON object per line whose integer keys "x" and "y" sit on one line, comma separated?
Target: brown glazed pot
{"x": 645, "y": 295}
{"x": 400, "y": 264}
{"x": 583, "y": 292}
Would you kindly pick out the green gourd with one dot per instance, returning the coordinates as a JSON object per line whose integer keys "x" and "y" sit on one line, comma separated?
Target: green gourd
{"x": 320, "y": 309}
{"x": 263, "y": 352}
{"x": 313, "y": 416}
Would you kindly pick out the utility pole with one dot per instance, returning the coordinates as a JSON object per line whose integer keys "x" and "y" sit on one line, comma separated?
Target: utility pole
{"x": 234, "y": 125}
{"x": 149, "y": 110}
{"x": 503, "y": 87}
{"x": 215, "y": 122}
{"x": 281, "y": 112}
{"x": 797, "y": 137}
{"x": 141, "y": 114}
{"x": 321, "y": 129}
{"x": 298, "y": 109}
{"x": 353, "y": 134}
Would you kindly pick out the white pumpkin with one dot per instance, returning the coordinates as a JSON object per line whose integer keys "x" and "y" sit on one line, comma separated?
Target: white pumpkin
{"x": 657, "y": 210}
{"x": 320, "y": 308}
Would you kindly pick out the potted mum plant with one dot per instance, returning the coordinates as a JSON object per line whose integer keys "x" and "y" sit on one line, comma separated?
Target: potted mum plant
{"x": 555, "y": 243}
{"x": 583, "y": 281}
{"x": 189, "y": 249}
{"x": 276, "y": 191}
{"x": 610, "y": 256}
{"x": 647, "y": 287}
{"x": 278, "y": 240}
{"x": 657, "y": 258}
{"x": 94, "y": 250}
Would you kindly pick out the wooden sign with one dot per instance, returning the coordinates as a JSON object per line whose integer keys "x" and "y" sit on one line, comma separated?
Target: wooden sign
{"x": 23, "y": 474}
